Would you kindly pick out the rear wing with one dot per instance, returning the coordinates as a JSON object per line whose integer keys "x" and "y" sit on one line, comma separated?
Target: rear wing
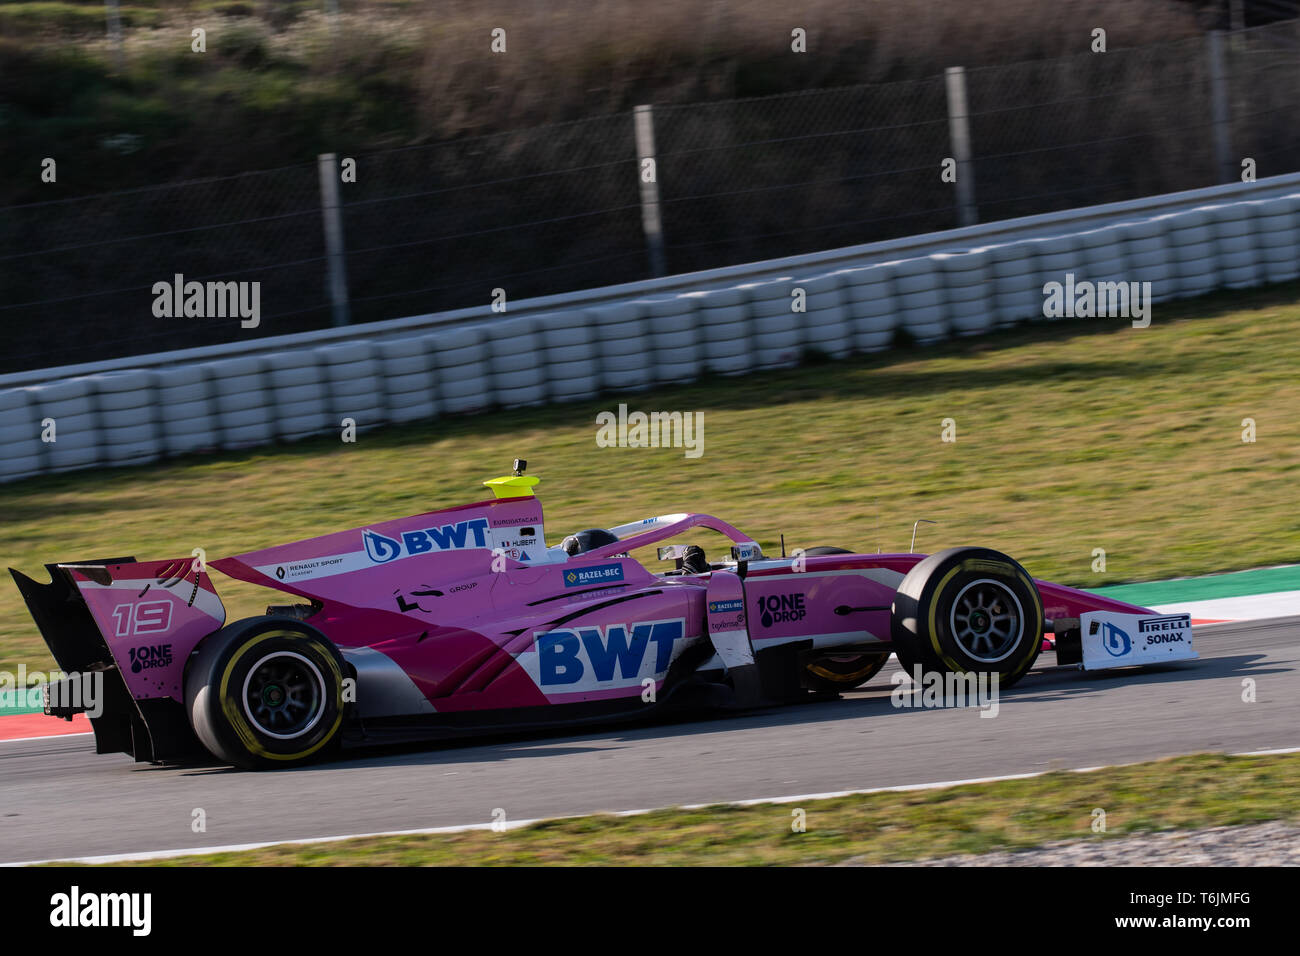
{"x": 132, "y": 625}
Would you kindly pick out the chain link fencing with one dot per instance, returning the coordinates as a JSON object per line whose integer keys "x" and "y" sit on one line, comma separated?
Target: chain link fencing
{"x": 556, "y": 209}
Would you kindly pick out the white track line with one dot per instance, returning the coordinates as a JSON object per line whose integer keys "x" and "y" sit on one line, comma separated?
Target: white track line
{"x": 18, "y": 740}
{"x": 516, "y": 824}
{"x": 1246, "y": 607}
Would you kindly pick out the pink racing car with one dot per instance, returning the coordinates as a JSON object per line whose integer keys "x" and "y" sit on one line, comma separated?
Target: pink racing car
{"x": 464, "y": 620}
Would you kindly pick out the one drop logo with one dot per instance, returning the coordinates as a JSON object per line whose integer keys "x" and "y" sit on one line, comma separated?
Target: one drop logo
{"x": 147, "y": 658}
{"x": 781, "y": 609}
{"x": 1115, "y": 640}
{"x": 379, "y": 548}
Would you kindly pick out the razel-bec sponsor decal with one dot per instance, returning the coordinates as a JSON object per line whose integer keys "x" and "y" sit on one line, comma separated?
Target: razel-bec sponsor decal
{"x": 595, "y": 574}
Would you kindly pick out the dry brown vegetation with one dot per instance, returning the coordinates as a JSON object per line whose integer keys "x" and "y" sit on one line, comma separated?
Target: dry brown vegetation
{"x": 577, "y": 57}
{"x": 846, "y": 156}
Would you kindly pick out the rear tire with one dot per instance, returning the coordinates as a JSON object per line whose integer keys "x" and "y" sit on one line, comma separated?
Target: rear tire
{"x": 266, "y": 692}
{"x": 838, "y": 673}
{"x": 968, "y": 610}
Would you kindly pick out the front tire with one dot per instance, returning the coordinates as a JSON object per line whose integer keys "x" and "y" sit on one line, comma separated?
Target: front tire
{"x": 266, "y": 692}
{"x": 968, "y": 610}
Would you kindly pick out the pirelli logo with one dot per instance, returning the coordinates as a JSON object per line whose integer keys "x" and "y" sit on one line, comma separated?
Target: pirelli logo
{"x": 1172, "y": 622}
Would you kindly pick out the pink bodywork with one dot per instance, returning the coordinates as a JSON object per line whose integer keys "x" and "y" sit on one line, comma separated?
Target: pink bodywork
{"x": 152, "y": 614}
{"x": 478, "y": 614}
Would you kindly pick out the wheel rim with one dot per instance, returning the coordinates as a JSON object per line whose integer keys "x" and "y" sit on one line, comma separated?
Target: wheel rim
{"x": 284, "y": 695}
{"x": 987, "y": 620}
{"x": 866, "y": 663}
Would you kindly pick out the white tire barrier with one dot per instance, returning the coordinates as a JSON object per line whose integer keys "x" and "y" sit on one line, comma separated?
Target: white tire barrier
{"x": 128, "y": 416}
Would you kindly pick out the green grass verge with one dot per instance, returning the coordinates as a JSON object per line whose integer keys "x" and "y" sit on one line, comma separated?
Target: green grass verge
{"x": 1179, "y": 793}
{"x": 1070, "y": 437}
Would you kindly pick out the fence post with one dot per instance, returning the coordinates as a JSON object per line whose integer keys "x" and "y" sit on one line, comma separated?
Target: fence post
{"x": 1236, "y": 15}
{"x": 113, "y": 14}
{"x": 1219, "y": 109}
{"x": 332, "y": 11}
{"x": 332, "y": 214}
{"x": 647, "y": 172}
{"x": 959, "y": 139}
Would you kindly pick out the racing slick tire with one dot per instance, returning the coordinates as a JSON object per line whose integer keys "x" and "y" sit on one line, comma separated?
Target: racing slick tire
{"x": 840, "y": 672}
{"x": 968, "y": 610}
{"x": 266, "y": 692}
{"x": 835, "y": 674}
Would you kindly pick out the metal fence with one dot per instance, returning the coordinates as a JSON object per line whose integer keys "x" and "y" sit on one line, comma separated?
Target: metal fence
{"x": 560, "y": 208}
{"x": 138, "y": 415}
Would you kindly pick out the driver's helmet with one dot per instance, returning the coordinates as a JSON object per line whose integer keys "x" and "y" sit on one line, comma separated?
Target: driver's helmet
{"x": 694, "y": 561}
{"x": 588, "y": 540}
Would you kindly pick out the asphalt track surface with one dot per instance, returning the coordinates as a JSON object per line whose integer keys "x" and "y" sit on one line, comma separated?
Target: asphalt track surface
{"x": 58, "y": 799}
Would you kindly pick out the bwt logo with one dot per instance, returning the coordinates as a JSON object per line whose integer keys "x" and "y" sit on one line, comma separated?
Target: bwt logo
{"x": 1115, "y": 640}
{"x": 609, "y": 653}
{"x": 148, "y": 658}
{"x": 379, "y": 548}
{"x": 449, "y": 537}
{"x": 781, "y": 608}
